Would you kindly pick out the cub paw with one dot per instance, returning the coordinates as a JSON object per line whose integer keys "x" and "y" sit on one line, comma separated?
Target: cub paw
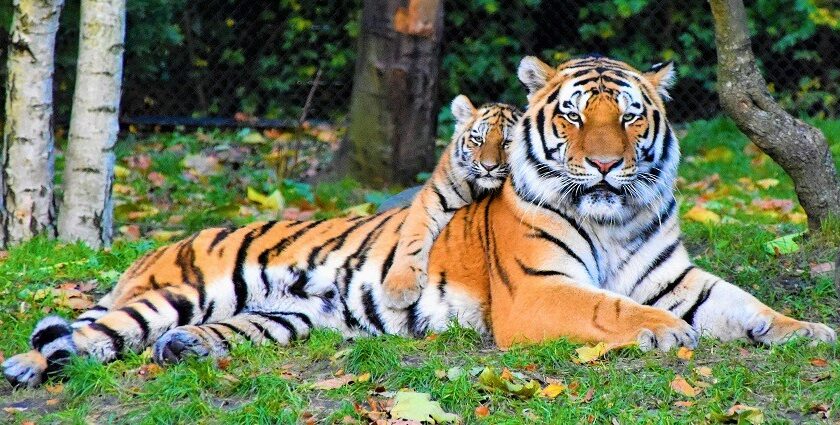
{"x": 25, "y": 370}
{"x": 402, "y": 287}
{"x": 668, "y": 334}
{"x": 781, "y": 329}
{"x": 178, "y": 344}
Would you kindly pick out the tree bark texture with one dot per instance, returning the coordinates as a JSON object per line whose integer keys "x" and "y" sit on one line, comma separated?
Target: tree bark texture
{"x": 394, "y": 106}
{"x": 800, "y": 149}
{"x": 27, "y": 159}
{"x": 87, "y": 211}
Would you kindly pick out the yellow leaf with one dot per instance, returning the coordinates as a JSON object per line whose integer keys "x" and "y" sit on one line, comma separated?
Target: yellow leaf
{"x": 552, "y": 390}
{"x": 121, "y": 172}
{"x": 363, "y": 377}
{"x": 767, "y": 183}
{"x": 718, "y": 154}
{"x": 680, "y": 385}
{"x": 273, "y": 202}
{"x": 588, "y": 354}
{"x": 685, "y": 353}
{"x": 797, "y": 218}
{"x": 361, "y": 210}
{"x": 702, "y": 215}
{"x": 704, "y": 371}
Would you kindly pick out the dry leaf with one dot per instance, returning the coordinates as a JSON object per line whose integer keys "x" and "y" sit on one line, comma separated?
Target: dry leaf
{"x": 506, "y": 375}
{"x": 54, "y": 389}
{"x": 149, "y": 371}
{"x": 818, "y": 362}
{"x": 741, "y": 413}
{"x": 52, "y": 402}
{"x": 767, "y": 183}
{"x": 680, "y": 385}
{"x": 822, "y": 410}
{"x": 333, "y": 383}
{"x": 588, "y": 354}
{"x": 703, "y": 371}
{"x": 685, "y": 353}
{"x": 588, "y": 396}
{"x": 683, "y": 403}
{"x": 702, "y": 215}
{"x": 530, "y": 367}
{"x": 822, "y": 268}
{"x": 223, "y": 363}
{"x": 482, "y": 411}
{"x": 552, "y": 390}
{"x": 363, "y": 377}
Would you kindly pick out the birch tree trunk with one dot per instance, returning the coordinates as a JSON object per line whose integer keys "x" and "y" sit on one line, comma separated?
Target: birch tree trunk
{"x": 800, "y": 149}
{"x": 26, "y": 179}
{"x": 87, "y": 210}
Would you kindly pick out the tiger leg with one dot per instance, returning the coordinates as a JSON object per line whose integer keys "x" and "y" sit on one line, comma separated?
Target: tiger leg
{"x": 545, "y": 307}
{"x": 51, "y": 347}
{"x": 724, "y": 311}
{"x": 215, "y": 339}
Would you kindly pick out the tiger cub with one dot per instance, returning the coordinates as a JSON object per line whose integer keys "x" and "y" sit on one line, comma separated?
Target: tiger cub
{"x": 473, "y": 164}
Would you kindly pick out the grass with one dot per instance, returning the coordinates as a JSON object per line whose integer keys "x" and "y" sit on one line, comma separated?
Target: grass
{"x": 269, "y": 384}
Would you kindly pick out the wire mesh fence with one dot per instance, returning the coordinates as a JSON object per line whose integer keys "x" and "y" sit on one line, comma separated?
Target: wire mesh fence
{"x": 221, "y": 61}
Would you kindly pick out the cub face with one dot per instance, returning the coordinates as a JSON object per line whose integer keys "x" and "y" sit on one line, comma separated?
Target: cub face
{"x": 483, "y": 137}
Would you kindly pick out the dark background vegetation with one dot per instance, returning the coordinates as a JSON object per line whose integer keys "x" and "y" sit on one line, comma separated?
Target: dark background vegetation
{"x": 218, "y": 57}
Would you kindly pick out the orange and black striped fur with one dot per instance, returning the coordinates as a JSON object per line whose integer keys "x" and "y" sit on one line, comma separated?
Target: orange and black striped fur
{"x": 472, "y": 165}
{"x": 582, "y": 242}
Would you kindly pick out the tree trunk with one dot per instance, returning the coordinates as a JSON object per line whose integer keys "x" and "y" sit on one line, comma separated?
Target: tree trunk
{"x": 394, "y": 106}
{"x": 87, "y": 210}
{"x": 26, "y": 181}
{"x": 799, "y": 148}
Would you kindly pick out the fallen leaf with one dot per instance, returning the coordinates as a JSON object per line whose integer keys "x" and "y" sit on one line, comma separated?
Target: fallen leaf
{"x": 454, "y": 373}
{"x": 333, "y": 383}
{"x": 719, "y": 154}
{"x": 52, "y": 402}
{"x": 361, "y": 210}
{"x": 782, "y": 205}
{"x": 741, "y": 413}
{"x": 822, "y": 268}
{"x": 530, "y": 367}
{"x": 54, "y": 389}
{"x": 273, "y": 202}
{"x": 440, "y": 373}
{"x": 482, "y": 411}
{"x": 680, "y": 385}
{"x": 767, "y": 183}
{"x": 684, "y": 353}
{"x": 822, "y": 410}
{"x": 490, "y": 381}
{"x": 506, "y": 375}
{"x": 202, "y": 165}
{"x": 223, "y": 363}
{"x": 818, "y": 362}
{"x": 588, "y": 396}
{"x": 365, "y": 377}
{"x": 552, "y": 390}
{"x": 121, "y": 172}
{"x": 166, "y": 235}
{"x": 702, "y": 215}
{"x": 683, "y": 403}
{"x": 703, "y": 371}
{"x": 783, "y": 245}
{"x": 419, "y": 407}
{"x": 156, "y": 179}
{"x": 590, "y": 353}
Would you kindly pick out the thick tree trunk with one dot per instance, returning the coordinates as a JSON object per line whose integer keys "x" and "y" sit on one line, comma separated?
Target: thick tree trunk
{"x": 799, "y": 148}
{"x": 87, "y": 211}
{"x": 27, "y": 159}
{"x": 393, "y": 109}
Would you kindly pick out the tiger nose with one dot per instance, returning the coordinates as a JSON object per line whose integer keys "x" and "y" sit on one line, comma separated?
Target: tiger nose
{"x": 489, "y": 166}
{"x": 604, "y": 165}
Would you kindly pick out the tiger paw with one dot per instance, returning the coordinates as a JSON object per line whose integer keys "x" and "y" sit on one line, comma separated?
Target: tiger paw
{"x": 772, "y": 330}
{"x": 25, "y": 370}
{"x": 180, "y": 343}
{"x": 672, "y": 332}
{"x": 402, "y": 286}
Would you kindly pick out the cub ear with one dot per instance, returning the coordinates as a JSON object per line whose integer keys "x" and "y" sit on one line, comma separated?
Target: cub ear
{"x": 462, "y": 109}
{"x": 534, "y": 73}
{"x": 662, "y": 76}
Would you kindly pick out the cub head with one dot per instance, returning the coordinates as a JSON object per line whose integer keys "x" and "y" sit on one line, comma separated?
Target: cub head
{"x": 482, "y": 140}
{"x": 595, "y": 138}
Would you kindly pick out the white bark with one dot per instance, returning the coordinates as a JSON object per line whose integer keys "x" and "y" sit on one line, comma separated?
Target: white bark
{"x": 87, "y": 211}
{"x": 27, "y": 158}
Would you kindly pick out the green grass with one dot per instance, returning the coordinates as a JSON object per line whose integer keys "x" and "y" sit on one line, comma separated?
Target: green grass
{"x": 269, "y": 384}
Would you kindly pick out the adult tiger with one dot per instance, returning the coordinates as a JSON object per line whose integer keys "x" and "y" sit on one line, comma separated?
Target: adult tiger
{"x": 582, "y": 241}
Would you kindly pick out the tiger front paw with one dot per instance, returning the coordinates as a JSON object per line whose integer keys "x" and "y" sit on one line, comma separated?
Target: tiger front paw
{"x": 180, "y": 343}
{"x": 26, "y": 369}
{"x": 402, "y": 286}
{"x": 666, "y": 332}
{"x": 777, "y": 329}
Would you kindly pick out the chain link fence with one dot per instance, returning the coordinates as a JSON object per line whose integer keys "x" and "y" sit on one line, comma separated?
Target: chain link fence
{"x": 219, "y": 62}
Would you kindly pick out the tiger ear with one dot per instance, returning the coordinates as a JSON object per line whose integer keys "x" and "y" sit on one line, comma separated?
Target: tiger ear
{"x": 534, "y": 74}
{"x": 462, "y": 109}
{"x": 662, "y": 76}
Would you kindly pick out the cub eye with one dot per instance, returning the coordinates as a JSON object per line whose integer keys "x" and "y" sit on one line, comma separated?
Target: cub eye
{"x": 506, "y": 144}
{"x": 573, "y": 116}
{"x": 478, "y": 141}
{"x": 629, "y": 117}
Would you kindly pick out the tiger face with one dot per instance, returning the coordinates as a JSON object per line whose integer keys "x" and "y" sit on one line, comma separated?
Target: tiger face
{"x": 483, "y": 138}
{"x": 596, "y": 138}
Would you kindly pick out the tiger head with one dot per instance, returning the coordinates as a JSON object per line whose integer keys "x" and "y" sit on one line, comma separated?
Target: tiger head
{"x": 595, "y": 138}
{"x": 482, "y": 140}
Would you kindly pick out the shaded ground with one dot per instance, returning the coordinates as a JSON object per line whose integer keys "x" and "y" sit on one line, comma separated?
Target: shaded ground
{"x": 173, "y": 184}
